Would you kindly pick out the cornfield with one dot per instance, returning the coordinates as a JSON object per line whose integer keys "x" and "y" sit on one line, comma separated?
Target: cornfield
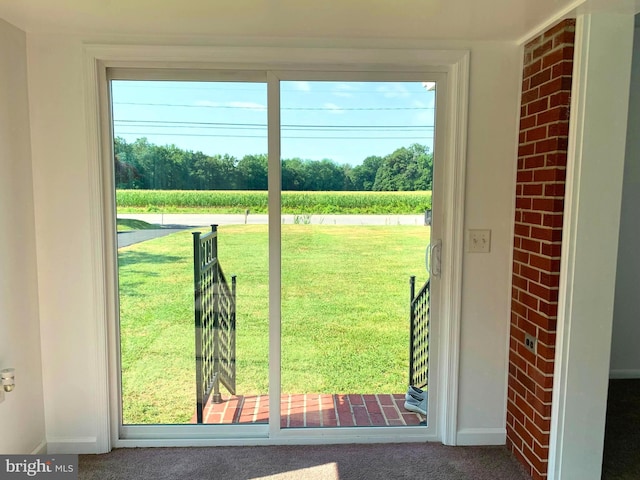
{"x": 238, "y": 201}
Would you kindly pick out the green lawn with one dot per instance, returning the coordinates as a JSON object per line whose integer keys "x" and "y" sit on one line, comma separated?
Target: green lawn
{"x": 345, "y": 296}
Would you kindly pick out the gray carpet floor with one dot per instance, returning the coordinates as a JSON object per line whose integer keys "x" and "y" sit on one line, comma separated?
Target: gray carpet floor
{"x": 430, "y": 461}
{"x": 622, "y": 432}
{"x": 326, "y": 462}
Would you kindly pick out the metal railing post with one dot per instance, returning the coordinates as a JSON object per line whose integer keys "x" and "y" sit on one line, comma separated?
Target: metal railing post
{"x": 198, "y": 322}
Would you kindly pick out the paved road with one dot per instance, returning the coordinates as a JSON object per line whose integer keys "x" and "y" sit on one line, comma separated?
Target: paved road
{"x": 197, "y": 220}
{"x": 176, "y": 222}
{"x": 136, "y": 236}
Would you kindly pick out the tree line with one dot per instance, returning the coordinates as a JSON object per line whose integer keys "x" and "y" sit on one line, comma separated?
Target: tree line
{"x": 143, "y": 165}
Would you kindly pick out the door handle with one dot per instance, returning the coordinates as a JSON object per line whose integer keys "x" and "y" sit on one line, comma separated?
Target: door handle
{"x": 434, "y": 263}
{"x": 427, "y": 259}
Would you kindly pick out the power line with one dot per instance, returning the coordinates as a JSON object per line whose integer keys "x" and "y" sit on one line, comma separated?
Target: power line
{"x": 253, "y": 126}
{"x": 216, "y": 88}
{"x": 265, "y": 137}
{"x": 264, "y": 108}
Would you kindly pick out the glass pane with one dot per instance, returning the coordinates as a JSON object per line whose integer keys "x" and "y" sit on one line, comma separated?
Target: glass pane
{"x": 356, "y": 178}
{"x": 194, "y": 344}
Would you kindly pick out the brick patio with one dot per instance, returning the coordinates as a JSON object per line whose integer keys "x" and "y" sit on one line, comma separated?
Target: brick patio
{"x": 315, "y": 410}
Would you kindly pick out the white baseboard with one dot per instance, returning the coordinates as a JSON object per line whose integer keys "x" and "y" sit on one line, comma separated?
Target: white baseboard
{"x": 624, "y": 373}
{"x": 41, "y": 449}
{"x": 481, "y": 436}
{"x": 78, "y": 445}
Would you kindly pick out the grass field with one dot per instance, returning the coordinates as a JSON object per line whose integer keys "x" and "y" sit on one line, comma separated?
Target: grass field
{"x": 345, "y": 294}
{"x": 175, "y": 201}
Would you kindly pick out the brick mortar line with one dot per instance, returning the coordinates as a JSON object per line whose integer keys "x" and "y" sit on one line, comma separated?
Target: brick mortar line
{"x": 516, "y": 327}
{"x": 533, "y": 294}
{"x": 288, "y": 412}
{"x": 549, "y": 167}
{"x": 532, "y": 408}
{"x": 550, "y": 302}
{"x": 353, "y": 416}
{"x": 529, "y": 462}
{"x": 304, "y": 411}
{"x": 335, "y": 409}
{"x": 545, "y": 375}
{"x": 534, "y": 116}
{"x": 547, "y": 243}
{"x": 545, "y": 84}
{"x": 544, "y": 41}
{"x": 535, "y": 127}
{"x": 541, "y": 195}
{"x": 529, "y": 418}
{"x": 386, "y": 420}
{"x": 540, "y": 169}
{"x": 533, "y": 393}
{"x": 397, "y": 409}
{"x": 515, "y": 405}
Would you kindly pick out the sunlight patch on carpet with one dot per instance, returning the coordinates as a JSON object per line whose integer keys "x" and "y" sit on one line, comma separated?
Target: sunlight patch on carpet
{"x": 328, "y": 471}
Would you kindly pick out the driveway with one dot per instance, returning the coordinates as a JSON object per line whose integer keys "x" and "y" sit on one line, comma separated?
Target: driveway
{"x": 176, "y": 222}
{"x": 136, "y": 236}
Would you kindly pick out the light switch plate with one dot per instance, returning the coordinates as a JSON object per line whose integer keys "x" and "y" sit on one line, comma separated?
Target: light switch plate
{"x": 479, "y": 241}
{"x": 1, "y": 394}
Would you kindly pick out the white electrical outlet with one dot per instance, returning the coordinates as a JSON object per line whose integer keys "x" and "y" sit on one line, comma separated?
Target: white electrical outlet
{"x": 479, "y": 241}
{"x": 530, "y": 342}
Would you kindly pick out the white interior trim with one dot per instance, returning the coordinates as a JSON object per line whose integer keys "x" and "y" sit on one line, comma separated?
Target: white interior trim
{"x": 450, "y": 297}
{"x": 392, "y": 63}
{"x": 482, "y": 436}
{"x": 40, "y": 449}
{"x": 93, "y": 77}
{"x": 274, "y": 172}
{"x": 597, "y": 138}
{"x": 73, "y": 445}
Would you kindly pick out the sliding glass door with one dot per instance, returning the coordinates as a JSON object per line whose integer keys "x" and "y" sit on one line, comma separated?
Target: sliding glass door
{"x": 190, "y": 167}
{"x": 272, "y": 229}
{"x": 356, "y": 166}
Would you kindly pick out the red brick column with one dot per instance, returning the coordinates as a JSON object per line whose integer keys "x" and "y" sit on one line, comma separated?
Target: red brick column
{"x": 542, "y": 158}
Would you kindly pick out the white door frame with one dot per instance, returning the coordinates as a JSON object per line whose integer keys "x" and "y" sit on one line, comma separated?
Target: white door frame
{"x": 454, "y": 65}
{"x": 597, "y": 138}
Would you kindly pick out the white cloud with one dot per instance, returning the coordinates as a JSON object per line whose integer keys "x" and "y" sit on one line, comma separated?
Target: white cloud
{"x": 422, "y": 119}
{"x": 245, "y": 105}
{"x": 301, "y": 86}
{"x": 429, "y": 104}
{"x": 394, "y": 90}
{"x": 207, "y": 103}
{"x": 333, "y": 108}
{"x": 344, "y": 90}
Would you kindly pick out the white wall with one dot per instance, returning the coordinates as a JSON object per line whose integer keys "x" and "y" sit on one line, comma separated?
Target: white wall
{"x": 60, "y": 179}
{"x": 625, "y": 354}
{"x": 486, "y": 281}
{"x": 22, "y": 412}
{"x": 62, "y": 199}
{"x": 599, "y": 110}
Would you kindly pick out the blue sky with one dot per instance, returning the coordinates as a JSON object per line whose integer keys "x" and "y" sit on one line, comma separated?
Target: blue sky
{"x": 342, "y": 121}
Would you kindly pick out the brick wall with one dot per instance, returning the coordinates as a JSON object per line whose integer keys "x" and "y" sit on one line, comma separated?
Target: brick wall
{"x": 542, "y": 158}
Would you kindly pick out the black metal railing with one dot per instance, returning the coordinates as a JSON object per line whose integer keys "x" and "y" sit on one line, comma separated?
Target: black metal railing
{"x": 419, "y": 336}
{"x": 215, "y": 322}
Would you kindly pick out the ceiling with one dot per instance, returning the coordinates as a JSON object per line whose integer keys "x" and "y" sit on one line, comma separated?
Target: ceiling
{"x": 343, "y": 19}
